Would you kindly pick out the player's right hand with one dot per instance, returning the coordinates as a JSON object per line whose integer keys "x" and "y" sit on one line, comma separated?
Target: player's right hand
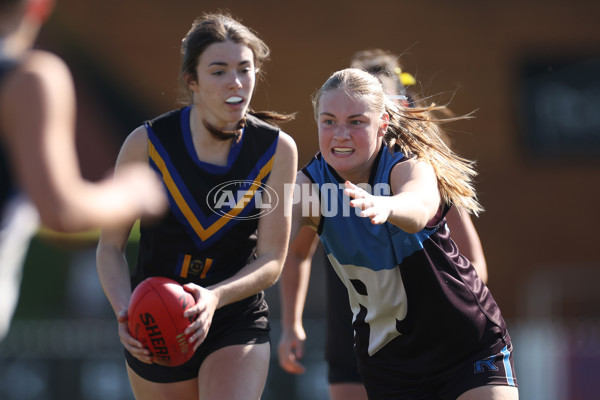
{"x": 134, "y": 346}
{"x": 291, "y": 350}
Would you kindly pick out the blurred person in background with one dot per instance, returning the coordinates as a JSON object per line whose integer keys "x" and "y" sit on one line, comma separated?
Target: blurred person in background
{"x": 344, "y": 379}
{"x": 40, "y": 177}
{"x": 224, "y": 255}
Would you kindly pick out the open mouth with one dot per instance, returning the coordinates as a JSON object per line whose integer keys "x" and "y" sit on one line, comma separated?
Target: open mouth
{"x": 234, "y": 100}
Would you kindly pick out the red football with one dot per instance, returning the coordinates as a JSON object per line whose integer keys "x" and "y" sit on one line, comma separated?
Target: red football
{"x": 156, "y": 319}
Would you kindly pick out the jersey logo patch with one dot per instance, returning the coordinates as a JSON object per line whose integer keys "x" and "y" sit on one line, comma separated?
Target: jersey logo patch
{"x": 486, "y": 363}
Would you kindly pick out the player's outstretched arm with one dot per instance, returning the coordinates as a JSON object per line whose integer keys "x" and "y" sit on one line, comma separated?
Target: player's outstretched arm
{"x": 38, "y": 123}
{"x": 414, "y": 202}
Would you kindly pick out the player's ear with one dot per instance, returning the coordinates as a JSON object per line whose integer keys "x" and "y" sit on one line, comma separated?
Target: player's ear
{"x": 39, "y": 10}
{"x": 190, "y": 81}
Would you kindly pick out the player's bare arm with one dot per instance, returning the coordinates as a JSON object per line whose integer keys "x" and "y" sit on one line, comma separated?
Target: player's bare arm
{"x": 414, "y": 202}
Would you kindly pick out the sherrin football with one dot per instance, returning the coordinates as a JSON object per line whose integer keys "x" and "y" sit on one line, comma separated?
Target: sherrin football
{"x": 155, "y": 318}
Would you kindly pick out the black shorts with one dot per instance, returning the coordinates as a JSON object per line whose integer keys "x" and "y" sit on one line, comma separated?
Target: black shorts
{"x": 493, "y": 365}
{"x": 243, "y": 322}
{"x": 339, "y": 344}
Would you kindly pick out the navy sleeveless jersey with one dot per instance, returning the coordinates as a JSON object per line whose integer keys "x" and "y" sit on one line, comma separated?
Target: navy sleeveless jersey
{"x": 209, "y": 233}
{"x": 7, "y": 184}
{"x": 414, "y": 289}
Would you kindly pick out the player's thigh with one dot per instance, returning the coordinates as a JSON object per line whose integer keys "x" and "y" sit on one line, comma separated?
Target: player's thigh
{"x": 347, "y": 391}
{"x": 491, "y": 392}
{"x": 236, "y": 372}
{"x": 147, "y": 390}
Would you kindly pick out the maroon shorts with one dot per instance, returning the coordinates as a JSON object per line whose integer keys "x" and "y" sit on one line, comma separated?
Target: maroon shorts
{"x": 490, "y": 366}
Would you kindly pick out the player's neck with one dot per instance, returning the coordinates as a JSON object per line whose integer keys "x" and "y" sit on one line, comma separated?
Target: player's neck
{"x": 208, "y": 148}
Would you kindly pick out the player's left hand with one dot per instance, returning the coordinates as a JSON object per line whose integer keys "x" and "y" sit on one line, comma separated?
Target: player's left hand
{"x": 203, "y": 311}
{"x": 377, "y": 208}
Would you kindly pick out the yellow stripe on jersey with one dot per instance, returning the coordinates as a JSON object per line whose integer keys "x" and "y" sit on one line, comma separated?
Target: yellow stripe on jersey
{"x": 185, "y": 265}
{"x": 202, "y": 232}
{"x": 207, "y": 264}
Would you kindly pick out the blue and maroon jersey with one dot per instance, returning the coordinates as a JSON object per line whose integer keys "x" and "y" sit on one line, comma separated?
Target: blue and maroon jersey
{"x": 415, "y": 289}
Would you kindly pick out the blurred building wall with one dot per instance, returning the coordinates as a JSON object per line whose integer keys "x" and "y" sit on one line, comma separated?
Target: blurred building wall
{"x": 463, "y": 52}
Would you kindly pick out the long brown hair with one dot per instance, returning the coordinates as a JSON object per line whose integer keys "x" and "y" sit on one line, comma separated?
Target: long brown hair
{"x": 415, "y": 132}
{"x": 213, "y": 28}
